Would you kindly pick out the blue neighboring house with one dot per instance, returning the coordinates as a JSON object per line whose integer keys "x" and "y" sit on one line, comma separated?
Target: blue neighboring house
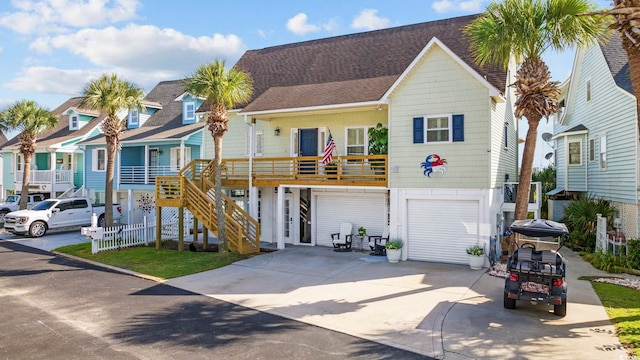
{"x": 157, "y": 142}
{"x": 596, "y": 135}
{"x": 58, "y": 163}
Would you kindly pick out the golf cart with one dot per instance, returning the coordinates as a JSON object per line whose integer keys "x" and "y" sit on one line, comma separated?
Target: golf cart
{"x": 536, "y": 269}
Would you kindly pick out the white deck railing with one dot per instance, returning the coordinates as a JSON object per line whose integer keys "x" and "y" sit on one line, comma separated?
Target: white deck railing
{"x": 45, "y": 176}
{"x": 144, "y": 174}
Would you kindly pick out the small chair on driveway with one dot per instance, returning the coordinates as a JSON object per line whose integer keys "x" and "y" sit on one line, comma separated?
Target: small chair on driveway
{"x": 342, "y": 240}
{"x": 377, "y": 243}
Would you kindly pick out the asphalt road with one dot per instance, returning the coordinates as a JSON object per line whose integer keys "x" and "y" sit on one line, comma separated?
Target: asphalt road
{"x": 53, "y": 307}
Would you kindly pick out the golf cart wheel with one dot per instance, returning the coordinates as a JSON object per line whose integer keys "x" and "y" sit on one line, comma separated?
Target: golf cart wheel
{"x": 560, "y": 310}
{"x": 37, "y": 229}
{"x": 509, "y": 303}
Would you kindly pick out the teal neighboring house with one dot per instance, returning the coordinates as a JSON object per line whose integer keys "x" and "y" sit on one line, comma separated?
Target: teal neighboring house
{"x": 3, "y": 140}
{"x": 58, "y": 164}
{"x": 157, "y": 142}
{"x": 596, "y": 135}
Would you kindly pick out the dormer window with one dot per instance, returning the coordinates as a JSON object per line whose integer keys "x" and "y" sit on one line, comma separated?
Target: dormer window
{"x": 73, "y": 122}
{"x": 134, "y": 117}
{"x": 189, "y": 111}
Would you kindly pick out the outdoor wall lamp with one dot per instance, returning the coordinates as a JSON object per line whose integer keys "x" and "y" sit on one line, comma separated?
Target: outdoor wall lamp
{"x": 276, "y": 132}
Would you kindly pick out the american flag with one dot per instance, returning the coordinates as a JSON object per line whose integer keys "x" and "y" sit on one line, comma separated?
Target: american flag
{"x": 327, "y": 157}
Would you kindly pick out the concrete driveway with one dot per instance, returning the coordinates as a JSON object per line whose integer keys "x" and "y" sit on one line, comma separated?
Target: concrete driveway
{"x": 438, "y": 310}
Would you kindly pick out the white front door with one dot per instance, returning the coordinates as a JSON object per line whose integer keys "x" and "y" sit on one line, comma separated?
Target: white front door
{"x": 291, "y": 216}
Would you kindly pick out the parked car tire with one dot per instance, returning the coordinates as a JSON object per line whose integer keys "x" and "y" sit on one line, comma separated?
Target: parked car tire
{"x": 560, "y": 310}
{"x": 509, "y": 303}
{"x": 101, "y": 221}
{"x": 2, "y": 215}
{"x": 37, "y": 229}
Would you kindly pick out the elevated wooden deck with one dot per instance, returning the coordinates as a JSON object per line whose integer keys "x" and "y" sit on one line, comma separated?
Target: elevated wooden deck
{"x": 365, "y": 170}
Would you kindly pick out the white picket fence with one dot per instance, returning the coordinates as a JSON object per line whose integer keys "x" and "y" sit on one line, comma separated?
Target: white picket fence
{"x": 122, "y": 236}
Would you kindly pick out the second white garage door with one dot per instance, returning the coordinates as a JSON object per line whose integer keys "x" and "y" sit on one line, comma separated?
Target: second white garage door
{"x": 441, "y": 230}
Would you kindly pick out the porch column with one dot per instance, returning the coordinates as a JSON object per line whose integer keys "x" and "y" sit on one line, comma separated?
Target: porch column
{"x": 146, "y": 164}
{"x": 253, "y": 191}
{"x": 280, "y": 218}
{"x": 52, "y": 166}
{"x": 182, "y": 162}
{"x": 130, "y": 206}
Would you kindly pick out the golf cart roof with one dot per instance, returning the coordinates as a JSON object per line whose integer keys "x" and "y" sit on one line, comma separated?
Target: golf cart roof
{"x": 539, "y": 228}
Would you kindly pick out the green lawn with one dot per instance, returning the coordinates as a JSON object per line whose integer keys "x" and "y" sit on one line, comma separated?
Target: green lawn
{"x": 163, "y": 263}
{"x": 623, "y": 307}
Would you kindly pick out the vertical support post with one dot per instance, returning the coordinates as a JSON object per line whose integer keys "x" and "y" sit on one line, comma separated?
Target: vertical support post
{"x": 158, "y": 227}
{"x": 280, "y": 218}
{"x": 181, "y": 228}
{"x": 205, "y": 237}
{"x": 195, "y": 230}
{"x": 145, "y": 233}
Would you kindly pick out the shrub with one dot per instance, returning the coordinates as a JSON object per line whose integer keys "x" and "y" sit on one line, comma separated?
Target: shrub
{"x": 475, "y": 250}
{"x": 608, "y": 262}
{"x": 580, "y": 217}
{"x": 394, "y": 244}
{"x": 633, "y": 258}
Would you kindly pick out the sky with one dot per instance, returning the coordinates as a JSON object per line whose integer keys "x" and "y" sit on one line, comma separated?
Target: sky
{"x": 49, "y": 50}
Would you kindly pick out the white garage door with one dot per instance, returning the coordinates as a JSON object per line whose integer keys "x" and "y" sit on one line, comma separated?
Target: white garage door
{"x": 441, "y": 230}
{"x": 360, "y": 210}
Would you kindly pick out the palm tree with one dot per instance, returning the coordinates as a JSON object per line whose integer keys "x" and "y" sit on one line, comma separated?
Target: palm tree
{"x": 626, "y": 21}
{"x": 523, "y": 30}
{"x": 223, "y": 89}
{"x": 30, "y": 120}
{"x": 110, "y": 94}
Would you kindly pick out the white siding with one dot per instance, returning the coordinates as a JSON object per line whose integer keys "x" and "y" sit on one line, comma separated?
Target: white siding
{"x": 504, "y": 160}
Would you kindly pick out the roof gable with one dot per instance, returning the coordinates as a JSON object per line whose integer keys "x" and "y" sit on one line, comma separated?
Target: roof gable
{"x": 493, "y": 91}
{"x": 61, "y": 133}
{"x": 618, "y": 63}
{"x": 369, "y": 55}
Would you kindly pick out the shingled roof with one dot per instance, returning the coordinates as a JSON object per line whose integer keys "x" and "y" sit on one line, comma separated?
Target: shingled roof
{"x": 3, "y": 139}
{"x": 618, "y": 63}
{"x": 61, "y": 133}
{"x": 165, "y": 123}
{"x": 351, "y": 68}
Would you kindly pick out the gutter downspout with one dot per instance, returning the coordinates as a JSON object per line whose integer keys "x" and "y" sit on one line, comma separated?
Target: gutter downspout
{"x": 253, "y": 198}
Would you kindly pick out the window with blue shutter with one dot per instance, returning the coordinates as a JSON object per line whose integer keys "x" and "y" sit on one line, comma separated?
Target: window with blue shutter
{"x": 418, "y": 130}
{"x": 458, "y": 127}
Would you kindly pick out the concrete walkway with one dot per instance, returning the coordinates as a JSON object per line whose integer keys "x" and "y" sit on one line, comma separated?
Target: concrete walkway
{"x": 442, "y": 311}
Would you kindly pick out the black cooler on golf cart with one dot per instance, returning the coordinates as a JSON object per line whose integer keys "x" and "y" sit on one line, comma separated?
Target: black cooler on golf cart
{"x": 536, "y": 269}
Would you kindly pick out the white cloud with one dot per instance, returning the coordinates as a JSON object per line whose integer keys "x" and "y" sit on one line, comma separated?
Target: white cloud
{"x": 1, "y": 51}
{"x": 55, "y": 16}
{"x": 331, "y": 26}
{"x": 144, "y": 49}
{"x": 45, "y": 79}
{"x": 299, "y": 26}
{"x": 368, "y": 19}
{"x": 445, "y": 6}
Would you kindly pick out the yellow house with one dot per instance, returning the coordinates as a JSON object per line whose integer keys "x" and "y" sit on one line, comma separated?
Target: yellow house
{"x": 452, "y": 141}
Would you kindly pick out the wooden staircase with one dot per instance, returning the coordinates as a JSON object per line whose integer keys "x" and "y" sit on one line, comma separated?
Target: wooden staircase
{"x": 193, "y": 188}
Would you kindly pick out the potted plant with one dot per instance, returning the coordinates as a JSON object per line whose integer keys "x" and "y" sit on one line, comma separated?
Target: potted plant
{"x": 362, "y": 231}
{"x": 394, "y": 250}
{"x": 378, "y": 145}
{"x": 476, "y": 257}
